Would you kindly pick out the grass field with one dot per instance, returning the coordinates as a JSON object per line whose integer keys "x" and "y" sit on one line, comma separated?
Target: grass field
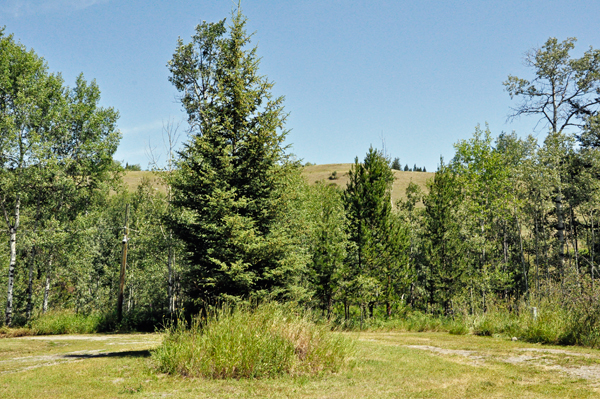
{"x": 312, "y": 174}
{"x": 388, "y": 365}
{"x": 322, "y": 172}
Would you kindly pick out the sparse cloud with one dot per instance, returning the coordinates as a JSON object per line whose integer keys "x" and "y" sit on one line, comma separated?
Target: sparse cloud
{"x": 19, "y": 8}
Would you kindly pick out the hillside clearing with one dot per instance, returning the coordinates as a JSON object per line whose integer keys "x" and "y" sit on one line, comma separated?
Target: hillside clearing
{"x": 389, "y": 365}
{"x": 312, "y": 174}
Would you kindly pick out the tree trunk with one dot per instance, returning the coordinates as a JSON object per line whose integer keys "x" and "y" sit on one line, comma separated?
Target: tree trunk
{"x": 13, "y": 259}
{"x": 47, "y": 286}
{"x": 537, "y": 258}
{"x": 525, "y": 277}
{"x": 575, "y": 244}
{"x": 560, "y": 233}
{"x": 170, "y": 269}
{"x": 32, "y": 263}
{"x": 30, "y": 283}
{"x": 11, "y": 276}
{"x": 592, "y": 248}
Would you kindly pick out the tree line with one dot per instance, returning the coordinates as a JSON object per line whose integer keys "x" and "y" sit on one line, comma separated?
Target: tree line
{"x": 507, "y": 219}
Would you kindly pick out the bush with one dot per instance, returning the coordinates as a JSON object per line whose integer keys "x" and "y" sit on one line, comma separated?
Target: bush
{"x": 244, "y": 342}
{"x": 65, "y": 322}
{"x": 7, "y": 332}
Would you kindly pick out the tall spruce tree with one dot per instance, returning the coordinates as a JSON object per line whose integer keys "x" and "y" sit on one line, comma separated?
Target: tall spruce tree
{"x": 233, "y": 171}
{"x": 371, "y": 228}
{"x": 444, "y": 269}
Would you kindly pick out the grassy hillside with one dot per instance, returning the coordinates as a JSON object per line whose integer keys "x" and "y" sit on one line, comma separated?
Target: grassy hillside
{"x": 133, "y": 178}
{"x": 312, "y": 174}
{"x": 323, "y": 172}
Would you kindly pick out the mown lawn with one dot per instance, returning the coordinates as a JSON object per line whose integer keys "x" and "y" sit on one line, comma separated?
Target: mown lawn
{"x": 388, "y": 365}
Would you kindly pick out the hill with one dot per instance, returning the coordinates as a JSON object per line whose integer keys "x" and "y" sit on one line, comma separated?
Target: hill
{"x": 312, "y": 174}
{"x": 315, "y": 173}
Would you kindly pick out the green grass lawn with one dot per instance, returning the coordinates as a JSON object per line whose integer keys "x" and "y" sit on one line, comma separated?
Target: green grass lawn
{"x": 388, "y": 365}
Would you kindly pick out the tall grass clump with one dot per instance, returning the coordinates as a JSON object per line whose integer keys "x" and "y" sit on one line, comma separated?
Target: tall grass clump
{"x": 252, "y": 342}
{"x": 565, "y": 319}
{"x": 65, "y": 322}
{"x": 413, "y": 321}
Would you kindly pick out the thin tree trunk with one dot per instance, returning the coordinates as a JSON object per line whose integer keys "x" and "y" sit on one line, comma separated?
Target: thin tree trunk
{"x": 592, "y": 247}
{"x": 47, "y": 286}
{"x": 575, "y": 245}
{"x": 13, "y": 258}
{"x": 560, "y": 233}
{"x": 537, "y": 257}
{"x": 30, "y": 283}
{"x": 505, "y": 248}
{"x": 170, "y": 269}
{"x": 32, "y": 263}
{"x": 525, "y": 277}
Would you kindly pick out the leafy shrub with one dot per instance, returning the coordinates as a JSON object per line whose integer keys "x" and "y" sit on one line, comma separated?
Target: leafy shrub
{"x": 244, "y": 342}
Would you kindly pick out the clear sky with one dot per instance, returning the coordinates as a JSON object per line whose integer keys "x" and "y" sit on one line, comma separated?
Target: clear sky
{"x": 419, "y": 75}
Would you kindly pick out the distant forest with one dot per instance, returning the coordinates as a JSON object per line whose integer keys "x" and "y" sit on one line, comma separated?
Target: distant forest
{"x": 508, "y": 221}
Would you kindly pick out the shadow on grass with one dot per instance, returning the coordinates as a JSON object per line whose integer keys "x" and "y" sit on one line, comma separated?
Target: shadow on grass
{"x": 142, "y": 353}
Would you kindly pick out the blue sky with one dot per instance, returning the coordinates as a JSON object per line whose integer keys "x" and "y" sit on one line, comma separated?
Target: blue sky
{"x": 419, "y": 75}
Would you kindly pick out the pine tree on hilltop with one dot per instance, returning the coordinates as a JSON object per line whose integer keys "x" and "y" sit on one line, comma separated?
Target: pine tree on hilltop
{"x": 231, "y": 180}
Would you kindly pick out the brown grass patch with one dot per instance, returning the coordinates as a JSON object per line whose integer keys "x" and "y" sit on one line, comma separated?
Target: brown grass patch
{"x": 315, "y": 173}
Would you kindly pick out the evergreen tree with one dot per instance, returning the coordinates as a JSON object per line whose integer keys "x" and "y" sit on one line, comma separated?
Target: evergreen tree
{"x": 232, "y": 174}
{"x": 396, "y": 164}
{"x": 328, "y": 241}
{"x": 443, "y": 270}
{"x": 371, "y": 228}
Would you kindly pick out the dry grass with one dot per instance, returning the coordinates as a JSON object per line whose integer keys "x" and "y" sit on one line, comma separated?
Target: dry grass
{"x": 315, "y": 173}
{"x": 311, "y": 173}
{"x": 7, "y": 332}
{"x": 133, "y": 178}
{"x": 388, "y": 365}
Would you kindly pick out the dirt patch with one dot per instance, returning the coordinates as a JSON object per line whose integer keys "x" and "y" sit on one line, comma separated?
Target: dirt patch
{"x": 520, "y": 359}
{"x": 74, "y": 348}
{"x": 555, "y": 352}
{"x": 443, "y": 351}
{"x": 588, "y": 372}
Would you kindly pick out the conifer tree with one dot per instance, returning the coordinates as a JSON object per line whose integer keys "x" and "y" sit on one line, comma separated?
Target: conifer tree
{"x": 232, "y": 173}
{"x": 443, "y": 250}
{"x": 378, "y": 239}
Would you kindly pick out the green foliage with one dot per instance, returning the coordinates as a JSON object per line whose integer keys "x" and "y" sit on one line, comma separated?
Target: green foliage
{"x": 396, "y": 164}
{"x": 233, "y": 173}
{"x": 328, "y": 243}
{"x": 135, "y": 167}
{"x": 379, "y": 239}
{"x": 564, "y": 90}
{"x": 443, "y": 270}
{"x": 66, "y": 322}
{"x": 244, "y": 342}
